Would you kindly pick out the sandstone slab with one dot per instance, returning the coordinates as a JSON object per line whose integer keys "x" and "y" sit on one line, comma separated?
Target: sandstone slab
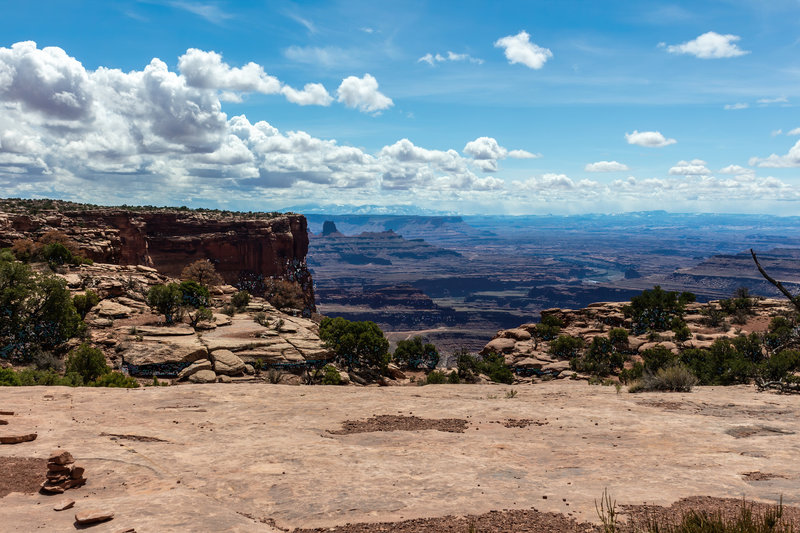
{"x": 203, "y": 376}
{"x": 111, "y": 309}
{"x": 227, "y": 363}
{"x": 93, "y": 516}
{"x": 197, "y": 366}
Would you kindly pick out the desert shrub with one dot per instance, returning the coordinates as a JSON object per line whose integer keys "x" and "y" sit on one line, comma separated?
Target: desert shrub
{"x": 780, "y": 365}
{"x": 721, "y": 364}
{"x": 31, "y": 376}
{"x": 240, "y": 300}
{"x": 36, "y": 312}
{"x": 656, "y": 358}
{"x": 44, "y": 360}
{"x": 7, "y": 255}
{"x": 24, "y": 249}
{"x": 682, "y": 333}
{"x": 415, "y": 353}
{"x": 629, "y": 375}
{"x": 600, "y": 358}
{"x": 549, "y": 327}
{"x": 750, "y": 347}
{"x": 116, "y": 380}
{"x": 87, "y": 362}
{"x": 494, "y": 366}
{"x": 671, "y": 379}
{"x": 566, "y": 347}
{"x": 203, "y": 272}
{"x": 746, "y": 520}
{"x": 330, "y": 376}
{"x": 284, "y": 294}
{"x": 274, "y": 376}
{"x": 84, "y": 302}
{"x": 166, "y": 300}
{"x": 453, "y": 378}
{"x": 467, "y": 366}
{"x": 9, "y": 378}
{"x": 436, "y": 377}
{"x": 201, "y": 314}
{"x": 194, "y": 295}
{"x": 619, "y": 339}
{"x": 654, "y": 309}
{"x": 261, "y": 319}
{"x": 713, "y": 317}
{"x": 741, "y": 302}
{"x": 355, "y": 344}
{"x": 780, "y": 333}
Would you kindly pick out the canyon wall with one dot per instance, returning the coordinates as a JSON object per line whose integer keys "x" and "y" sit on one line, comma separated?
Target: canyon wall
{"x": 244, "y": 247}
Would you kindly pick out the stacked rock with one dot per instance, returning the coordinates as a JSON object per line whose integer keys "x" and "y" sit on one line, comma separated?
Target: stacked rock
{"x": 62, "y": 473}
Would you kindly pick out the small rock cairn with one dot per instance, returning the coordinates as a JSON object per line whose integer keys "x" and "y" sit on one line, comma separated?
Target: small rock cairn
{"x": 62, "y": 473}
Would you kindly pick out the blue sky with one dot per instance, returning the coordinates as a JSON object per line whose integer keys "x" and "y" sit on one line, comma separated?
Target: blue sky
{"x": 470, "y": 107}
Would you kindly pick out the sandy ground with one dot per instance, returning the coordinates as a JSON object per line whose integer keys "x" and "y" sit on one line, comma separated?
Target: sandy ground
{"x": 240, "y": 457}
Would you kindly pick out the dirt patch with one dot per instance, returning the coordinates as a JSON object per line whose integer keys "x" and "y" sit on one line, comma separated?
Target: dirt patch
{"x": 760, "y": 476}
{"x": 637, "y": 516}
{"x": 522, "y": 422}
{"x": 136, "y": 438}
{"x": 513, "y": 521}
{"x": 21, "y": 474}
{"x": 662, "y": 404}
{"x": 742, "y": 432}
{"x": 401, "y": 423}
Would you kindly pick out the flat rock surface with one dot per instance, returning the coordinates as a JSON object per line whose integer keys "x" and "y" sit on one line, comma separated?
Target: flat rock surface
{"x": 281, "y": 462}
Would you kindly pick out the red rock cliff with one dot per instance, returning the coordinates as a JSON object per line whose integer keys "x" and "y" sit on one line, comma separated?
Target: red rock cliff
{"x": 241, "y": 245}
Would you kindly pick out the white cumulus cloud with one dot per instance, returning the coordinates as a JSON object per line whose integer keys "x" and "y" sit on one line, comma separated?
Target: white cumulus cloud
{"x": 710, "y": 45}
{"x": 791, "y": 159}
{"x": 206, "y": 70}
{"x": 519, "y": 49}
{"x": 738, "y": 170}
{"x": 695, "y": 167}
{"x": 486, "y": 152}
{"x": 736, "y": 106}
{"x": 363, "y": 94}
{"x": 312, "y": 94}
{"x": 650, "y": 139}
{"x": 795, "y": 131}
{"x": 606, "y": 166}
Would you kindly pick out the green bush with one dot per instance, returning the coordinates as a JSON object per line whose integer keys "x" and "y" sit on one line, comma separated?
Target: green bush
{"x": 436, "y": 377}
{"x": 566, "y": 347}
{"x": 355, "y": 344}
{"x": 415, "y": 353}
{"x": 9, "y": 378}
{"x": 36, "y": 312}
{"x": 240, "y": 300}
{"x": 549, "y": 327}
{"x": 721, "y": 364}
{"x": 453, "y": 378}
{"x": 89, "y": 363}
{"x": 467, "y": 366}
{"x": 331, "y": 376}
{"x": 116, "y": 380}
{"x": 682, "y": 333}
{"x": 201, "y": 314}
{"x": 654, "y": 309}
{"x": 629, "y": 375}
{"x": 672, "y": 379}
{"x": 619, "y": 339}
{"x": 780, "y": 365}
{"x": 600, "y": 359}
{"x": 84, "y": 302}
{"x": 194, "y": 295}
{"x": 656, "y": 358}
{"x": 780, "y": 333}
{"x": 166, "y": 300}
{"x": 494, "y": 366}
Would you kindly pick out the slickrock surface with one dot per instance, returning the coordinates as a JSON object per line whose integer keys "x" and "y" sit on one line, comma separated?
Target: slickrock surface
{"x": 235, "y": 457}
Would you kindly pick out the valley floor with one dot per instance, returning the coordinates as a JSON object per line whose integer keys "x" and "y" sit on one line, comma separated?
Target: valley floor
{"x": 247, "y": 457}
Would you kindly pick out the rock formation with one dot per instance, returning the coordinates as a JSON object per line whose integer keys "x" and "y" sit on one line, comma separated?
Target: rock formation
{"x": 531, "y": 356}
{"x": 242, "y": 246}
{"x": 62, "y": 473}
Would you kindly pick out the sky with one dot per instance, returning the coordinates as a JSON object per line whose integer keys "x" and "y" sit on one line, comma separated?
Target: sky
{"x": 513, "y": 107}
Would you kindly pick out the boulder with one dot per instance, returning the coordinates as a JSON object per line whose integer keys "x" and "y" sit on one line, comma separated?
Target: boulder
{"x": 227, "y": 363}
{"x": 394, "y": 371}
{"x": 345, "y": 377}
{"x": 517, "y": 334}
{"x": 109, "y": 309}
{"x": 197, "y": 366}
{"x": 249, "y": 370}
{"x": 224, "y": 379}
{"x": 499, "y": 345}
{"x": 60, "y": 457}
{"x": 203, "y": 376}
{"x": 16, "y": 439}
{"x": 180, "y": 349}
{"x": 93, "y": 516}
